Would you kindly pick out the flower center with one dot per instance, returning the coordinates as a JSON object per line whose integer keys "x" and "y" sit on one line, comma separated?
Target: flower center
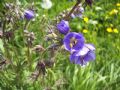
{"x": 73, "y": 41}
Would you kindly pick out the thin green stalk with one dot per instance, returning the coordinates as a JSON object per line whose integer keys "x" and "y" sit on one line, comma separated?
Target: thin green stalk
{"x": 28, "y": 46}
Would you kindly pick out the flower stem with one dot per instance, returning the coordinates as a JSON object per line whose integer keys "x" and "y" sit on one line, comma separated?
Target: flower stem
{"x": 28, "y": 46}
{"x": 7, "y": 53}
{"x": 72, "y": 10}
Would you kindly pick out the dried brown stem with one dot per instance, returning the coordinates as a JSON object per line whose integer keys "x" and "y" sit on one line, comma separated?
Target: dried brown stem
{"x": 72, "y": 10}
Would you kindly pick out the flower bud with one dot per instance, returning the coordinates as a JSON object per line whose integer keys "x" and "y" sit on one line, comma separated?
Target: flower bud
{"x": 29, "y": 14}
{"x": 49, "y": 63}
{"x": 89, "y": 2}
{"x": 8, "y": 34}
{"x": 78, "y": 12}
{"x": 63, "y": 27}
{"x": 41, "y": 67}
{"x": 30, "y": 37}
{"x": 38, "y": 48}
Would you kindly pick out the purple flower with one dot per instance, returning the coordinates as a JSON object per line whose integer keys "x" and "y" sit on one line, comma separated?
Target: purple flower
{"x": 84, "y": 55}
{"x": 29, "y": 14}
{"x": 89, "y": 2}
{"x": 78, "y": 12}
{"x": 86, "y": 48}
{"x": 73, "y": 41}
{"x": 63, "y": 27}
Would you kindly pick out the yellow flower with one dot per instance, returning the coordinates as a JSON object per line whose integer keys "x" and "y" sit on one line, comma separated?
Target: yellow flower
{"x": 115, "y": 30}
{"x": 85, "y": 30}
{"x": 118, "y": 4}
{"x": 114, "y": 11}
{"x": 109, "y": 30}
{"x": 86, "y": 19}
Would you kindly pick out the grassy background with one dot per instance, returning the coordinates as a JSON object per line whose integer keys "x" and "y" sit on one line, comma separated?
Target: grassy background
{"x": 101, "y": 74}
